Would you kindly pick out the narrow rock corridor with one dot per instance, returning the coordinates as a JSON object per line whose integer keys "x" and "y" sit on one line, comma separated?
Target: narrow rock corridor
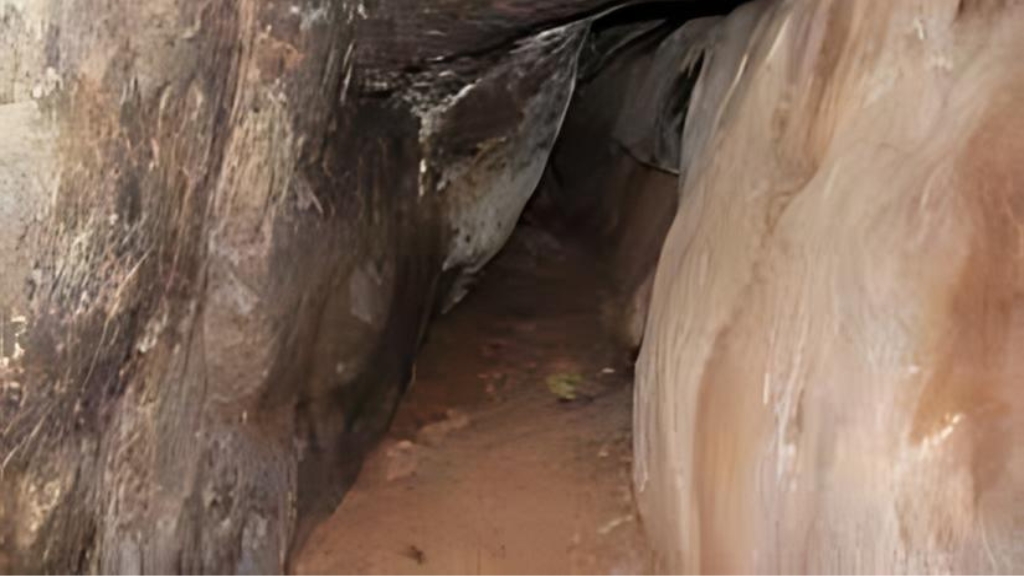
{"x": 511, "y": 452}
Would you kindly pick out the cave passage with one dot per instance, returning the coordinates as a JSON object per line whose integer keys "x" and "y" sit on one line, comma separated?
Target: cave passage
{"x": 511, "y": 450}
{"x": 448, "y": 287}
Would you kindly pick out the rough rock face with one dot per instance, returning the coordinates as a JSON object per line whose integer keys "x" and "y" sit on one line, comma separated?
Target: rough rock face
{"x": 830, "y": 379}
{"x": 222, "y": 234}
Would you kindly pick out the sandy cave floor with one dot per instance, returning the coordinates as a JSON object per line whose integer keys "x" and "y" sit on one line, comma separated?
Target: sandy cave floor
{"x": 511, "y": 452}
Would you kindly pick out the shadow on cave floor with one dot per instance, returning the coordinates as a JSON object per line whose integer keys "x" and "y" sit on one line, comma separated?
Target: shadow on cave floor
{"x": 489, "y": 467}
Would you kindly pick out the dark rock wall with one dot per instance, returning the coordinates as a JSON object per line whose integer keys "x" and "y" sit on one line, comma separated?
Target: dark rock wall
{"x": 222, "y": 237}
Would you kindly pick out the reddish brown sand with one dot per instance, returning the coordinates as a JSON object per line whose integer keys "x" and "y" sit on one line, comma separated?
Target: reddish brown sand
{"x": 485, "y": 470}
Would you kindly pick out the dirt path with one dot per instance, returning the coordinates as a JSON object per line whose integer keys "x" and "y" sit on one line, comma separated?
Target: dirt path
{"x": 489, "y": 466}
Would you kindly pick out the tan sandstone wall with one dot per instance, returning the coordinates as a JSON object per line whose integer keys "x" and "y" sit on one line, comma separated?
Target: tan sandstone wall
{"x": 831, "y": 379}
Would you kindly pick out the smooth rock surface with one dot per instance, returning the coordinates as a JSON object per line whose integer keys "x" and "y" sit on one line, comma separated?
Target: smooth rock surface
{"x": 829, "y": 380}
